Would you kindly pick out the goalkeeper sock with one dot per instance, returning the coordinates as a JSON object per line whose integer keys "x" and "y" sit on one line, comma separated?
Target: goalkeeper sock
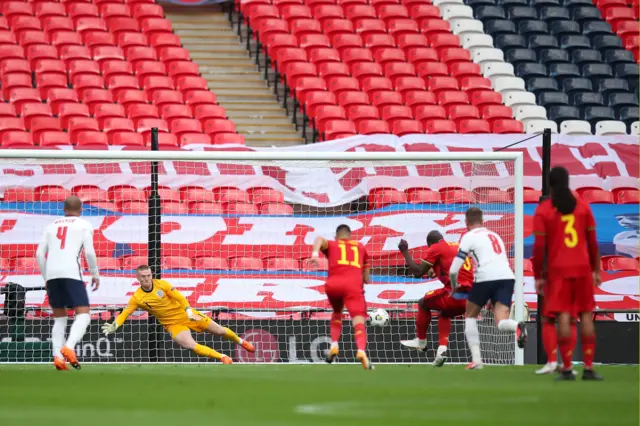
{"x": 444, "y": 329}
{"x": 550, "y": 340}
{"x": 360, "y": 337}
{"x": 422, "y": 323}
{"x": 473, "y": 339}
{"x": 57, "y": 335}
{"x": 566, "y": 352}
{"x": 78, "y": 328}
{"x": 588, "y": 350}
{"x": 336, "y": 327}
{"x": 508, "y": 325}
{"x": 230, "y": 335}
{"x": 206, "y": 351}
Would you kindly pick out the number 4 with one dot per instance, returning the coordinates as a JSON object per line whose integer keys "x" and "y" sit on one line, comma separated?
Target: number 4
{"x": 62, "y": 236}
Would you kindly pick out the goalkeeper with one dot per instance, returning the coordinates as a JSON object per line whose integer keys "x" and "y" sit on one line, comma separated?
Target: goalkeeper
{"x": 171, "y": 308}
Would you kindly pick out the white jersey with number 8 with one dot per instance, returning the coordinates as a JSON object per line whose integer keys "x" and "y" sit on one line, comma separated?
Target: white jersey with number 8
{"x": 60, "y": 250}
{"x": 487, "y": 249}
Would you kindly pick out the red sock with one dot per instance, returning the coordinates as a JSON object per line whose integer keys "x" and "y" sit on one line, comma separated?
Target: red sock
{"x": 566, "y": 352}
{"x": 336, "y": 326}
{"x": 550, "y": 340}
{"x": 422, "y": 323}
{"x": 361, "y": 337}
{"x": 574, "y": 334}
{"x": 588, "y": 350}
{"x": 444, "y": 329}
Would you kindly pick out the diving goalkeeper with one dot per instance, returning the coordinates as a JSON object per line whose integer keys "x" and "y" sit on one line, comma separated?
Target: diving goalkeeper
{"x": 171, "y": 308}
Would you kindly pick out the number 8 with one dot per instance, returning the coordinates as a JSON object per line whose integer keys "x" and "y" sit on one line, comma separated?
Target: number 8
{"x": 495, "y": 244}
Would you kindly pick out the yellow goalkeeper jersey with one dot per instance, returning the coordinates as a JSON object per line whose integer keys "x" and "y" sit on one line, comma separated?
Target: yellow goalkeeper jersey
{"x": 163, "y": 301}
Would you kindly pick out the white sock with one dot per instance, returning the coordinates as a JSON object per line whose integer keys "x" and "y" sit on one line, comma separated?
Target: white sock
{"x": 78, "y": 328}
{"x": 57, "y": 335}
{"x": 334, "y": 345}
{"x": 508, "y": 325}
{"x": 441, "y": 349}
{"x": 473, "y": 339}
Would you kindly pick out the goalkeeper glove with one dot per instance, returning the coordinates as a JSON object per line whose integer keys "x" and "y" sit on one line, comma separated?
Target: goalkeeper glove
{"x": 109, "y": 328}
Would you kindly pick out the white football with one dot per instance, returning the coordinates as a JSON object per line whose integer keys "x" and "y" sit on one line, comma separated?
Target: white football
{"x": 379, "y": 318}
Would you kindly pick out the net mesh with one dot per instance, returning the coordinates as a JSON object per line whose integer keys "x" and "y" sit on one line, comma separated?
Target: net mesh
{"x": 236, "y": 240}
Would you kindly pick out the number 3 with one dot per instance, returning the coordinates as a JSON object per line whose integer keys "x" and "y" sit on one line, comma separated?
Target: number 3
{"x": 343, "y": 256}
{"x": 62, "y": 236}
{"x": 571, "y": 236}
{"x": 495, "y": 244}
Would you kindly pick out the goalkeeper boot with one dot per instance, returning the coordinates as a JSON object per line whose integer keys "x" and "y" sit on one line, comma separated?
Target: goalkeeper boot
{"x": 332, "y": 354}
{"x": 248, "y": 346}
{"x": 441, "y": 356}
{"x": 362, "y": 357}
{"x": 226, "y": 360}
{"x": 591, "y": 375}
{"x": 60, "y": 363}
{"x": 417, "y": 344}
{"x": 70, "y": 355}
{"x": 521, "y": 334}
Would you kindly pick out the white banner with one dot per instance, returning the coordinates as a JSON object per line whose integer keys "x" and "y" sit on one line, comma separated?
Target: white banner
{"x": 602, "y": 162}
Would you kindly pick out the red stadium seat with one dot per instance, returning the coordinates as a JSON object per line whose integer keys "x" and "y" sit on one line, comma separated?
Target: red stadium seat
{"x": 473, "y": 125}
{"x": 25, "y": 265}
{"x": 19, "y": 195}
{"x": 439, "y": 126}
{"x": 211, "y": 263}
{"x": 382, "y": 197}
{"x": 596, "y": 196}
{"x": 337, "y": 129}
{"x": 245, "y": 263}
{"x": 422, "y": 196}
{"x": 282, "y": 264}
{"x": 279, "y": 209}
{"x": 627, "y": 196}
{"x": 231, "y": 195}
{"x": 51, "y": 193}
{"x": 491, "y": 195}
{"x": 456, "y": 196}
{"x": 308, "y": 266}
{"x": 133, "y": 207}
{"x": 373, "y": 127}
{"x": 132, "y": 262}
{"x": 205, "y": 208}
{"x": 619, "y": 263}
{"x": 109, "y": 263}
{"x": 176, "y": 262}
{"x": 507, "y": 126}
{"x": 89, "y": 193}
{"x": 262, "y": 195}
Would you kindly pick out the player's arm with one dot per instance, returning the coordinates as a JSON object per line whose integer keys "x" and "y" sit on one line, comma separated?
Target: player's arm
{"x": 92, "y": 259}
{"x": 539, "y": 244}
{"x": 418, "y": 271}
{"x": 41, "y": 255}
{"x": 175, "y": 294}
{"x": 592, "y": 246}
{"x": 319, "y": 244}
{"x": 110, "y": 328}
{"x": 463, "y": 252}
{"x": 366, "y": 267}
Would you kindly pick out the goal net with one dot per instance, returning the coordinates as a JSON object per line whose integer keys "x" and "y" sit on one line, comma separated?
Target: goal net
{"x": 236, "y": 231}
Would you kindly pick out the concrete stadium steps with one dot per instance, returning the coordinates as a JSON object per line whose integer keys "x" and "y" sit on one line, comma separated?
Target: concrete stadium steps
{"x": 233, "y": 76}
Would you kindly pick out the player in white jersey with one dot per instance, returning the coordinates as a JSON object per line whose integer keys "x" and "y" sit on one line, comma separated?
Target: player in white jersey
{"x": 58, "y": 256}
{"x": 494, "y": 281}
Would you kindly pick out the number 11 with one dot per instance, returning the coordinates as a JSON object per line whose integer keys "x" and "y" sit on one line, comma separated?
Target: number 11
{"x": 343, "y": 256}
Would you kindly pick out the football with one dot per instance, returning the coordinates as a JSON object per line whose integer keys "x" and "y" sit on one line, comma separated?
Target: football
{"x": 379, "y": 318}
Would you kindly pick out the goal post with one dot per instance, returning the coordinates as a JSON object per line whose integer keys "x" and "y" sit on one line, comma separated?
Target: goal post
{"x": 305, "y": 211}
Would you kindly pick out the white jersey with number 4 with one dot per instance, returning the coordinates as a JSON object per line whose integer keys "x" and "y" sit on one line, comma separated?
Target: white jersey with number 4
{"x": 60, "y": 250}
{"x": 487, "y": 249}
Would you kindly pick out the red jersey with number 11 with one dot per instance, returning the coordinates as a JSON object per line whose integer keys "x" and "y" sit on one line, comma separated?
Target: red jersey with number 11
{"x": 347, "y": 258}
{"x": 566, "y": 238}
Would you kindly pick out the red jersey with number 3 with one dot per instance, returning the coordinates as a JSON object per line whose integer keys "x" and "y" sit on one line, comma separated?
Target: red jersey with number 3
{"x": 565, "y": 237}
{"x": 347, "y": 258}
{"x": 440, "y": 256}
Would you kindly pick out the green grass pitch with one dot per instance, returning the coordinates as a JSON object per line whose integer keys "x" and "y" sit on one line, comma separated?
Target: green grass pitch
{"x": 285, "y": 395}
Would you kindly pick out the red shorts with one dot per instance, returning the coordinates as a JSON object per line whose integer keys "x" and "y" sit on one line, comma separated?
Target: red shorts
{"x": 570, "y": 294}
{"x": 349, "y": 297}
{"x": 441, "y": 300}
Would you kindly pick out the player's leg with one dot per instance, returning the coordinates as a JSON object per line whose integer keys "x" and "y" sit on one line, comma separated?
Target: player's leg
{"x": 478, "y": 297}
{"x": 566, "y": 345}
{"x": 450, "y": 309}
{"x": 78, "y": 299}
{"x": 216, "y": 329}
{"x": 550, "y": 344}
{"x": 55, "y": 293}
{"x": 357, "y": 308}
{"x": 423, "y": 319}
{"x": 561, "y": 303}
{"x": 182, "y": 336}
{"x": 335, "y": 326}
{"x": 585, "y": 305}
{"x": 501, "y": 298}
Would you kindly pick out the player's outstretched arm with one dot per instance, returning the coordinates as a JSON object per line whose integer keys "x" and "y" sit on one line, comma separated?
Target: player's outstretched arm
{"x": 463, "y": 251}
{"x": 418, "y": 271}
{"x": 110, "y": 328}
{"x": 184, "y": 303}
{"x": 320, "y": 243}
{"x": 92, "y": 259}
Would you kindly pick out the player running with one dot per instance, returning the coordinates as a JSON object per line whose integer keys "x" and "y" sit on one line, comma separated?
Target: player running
{"x": 494, "y": 281}
{"x": 565, "y": 231}
{"x": 437, "y": 263}
{"x": 171, "y": 308}
{"x": 58, "y": 257}
{"x": 348, "y": 272}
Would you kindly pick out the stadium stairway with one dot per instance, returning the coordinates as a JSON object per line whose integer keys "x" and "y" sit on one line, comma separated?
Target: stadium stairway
{"x": 232, "y": 75}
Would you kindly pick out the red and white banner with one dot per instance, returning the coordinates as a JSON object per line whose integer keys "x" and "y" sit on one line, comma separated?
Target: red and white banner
{"x": 603, "y": 162}
{"x": 298, "y": 292}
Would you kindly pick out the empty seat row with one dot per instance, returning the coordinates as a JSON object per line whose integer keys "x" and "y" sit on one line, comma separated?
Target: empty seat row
{"x": 76, "y": 10}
